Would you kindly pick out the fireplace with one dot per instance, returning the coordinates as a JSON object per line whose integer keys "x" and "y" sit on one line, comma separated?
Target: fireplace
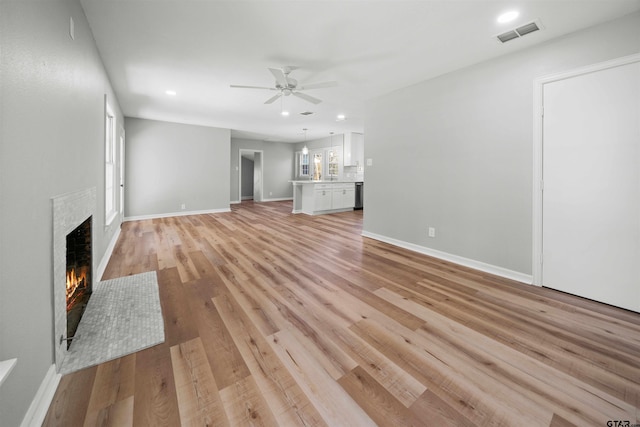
{"x": 78, "y": 275}
{"x": 70, "y": 212}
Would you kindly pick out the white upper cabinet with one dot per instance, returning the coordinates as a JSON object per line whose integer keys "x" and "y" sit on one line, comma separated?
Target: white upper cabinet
{"x": 354, "y": 149}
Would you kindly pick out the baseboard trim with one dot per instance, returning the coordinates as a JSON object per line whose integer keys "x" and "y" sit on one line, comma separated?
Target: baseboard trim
{"x": 6, "y": 366}
{"x": 466, "y": 262}
{"x": 171, "y": 214}
{"x": 330, "y": 211}
{"x": 42, "y": 400}
{"x": 107, "y": 254}
{"x": 280, "y": 199}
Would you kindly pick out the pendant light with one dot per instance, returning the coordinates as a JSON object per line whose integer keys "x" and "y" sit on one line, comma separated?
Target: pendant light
{"x": 305, "y": 150}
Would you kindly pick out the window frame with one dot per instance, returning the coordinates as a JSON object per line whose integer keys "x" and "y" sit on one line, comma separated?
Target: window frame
{"x": 110, "y": 206}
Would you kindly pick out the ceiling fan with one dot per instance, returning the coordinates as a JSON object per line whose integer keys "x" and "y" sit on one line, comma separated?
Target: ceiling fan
{"x": 286, "y": 85}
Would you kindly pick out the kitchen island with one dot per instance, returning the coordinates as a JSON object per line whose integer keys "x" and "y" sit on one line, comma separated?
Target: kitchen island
{"x": 322, "y": 197}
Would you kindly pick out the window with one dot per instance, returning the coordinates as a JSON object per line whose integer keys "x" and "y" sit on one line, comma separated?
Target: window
{"x": 304, "y": 165}
{"x": 109, "y": 165}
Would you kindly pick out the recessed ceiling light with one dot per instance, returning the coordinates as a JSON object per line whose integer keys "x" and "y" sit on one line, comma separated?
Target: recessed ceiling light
{"x": 285, "y": 113}
{"x": 341, "y": 117}
{"x": 171, "y": 92}
{"x": 508, "y": 16}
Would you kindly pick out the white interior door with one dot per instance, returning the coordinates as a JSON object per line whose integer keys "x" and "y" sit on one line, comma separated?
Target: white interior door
{"x": 257, "y": 176}
{"x": 591, "y": 195}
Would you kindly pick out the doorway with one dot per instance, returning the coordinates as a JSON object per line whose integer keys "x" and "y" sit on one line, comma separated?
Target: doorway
{"x": 587, "y": 218}
{"x": 250, "y": 175}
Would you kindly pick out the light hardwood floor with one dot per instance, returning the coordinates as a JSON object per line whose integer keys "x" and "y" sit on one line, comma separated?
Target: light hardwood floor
{"x": 278, "y": 319}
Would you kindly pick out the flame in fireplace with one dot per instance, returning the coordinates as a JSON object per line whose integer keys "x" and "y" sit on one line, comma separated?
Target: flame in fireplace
{"x": 76, "y": 284}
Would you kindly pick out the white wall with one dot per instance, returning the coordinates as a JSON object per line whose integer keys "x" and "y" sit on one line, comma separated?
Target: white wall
{"x": 168, "y": 164}
{"x": 455, "y": 152}
{"x": 51, "y": 142}
{"x": 277, "y": 164}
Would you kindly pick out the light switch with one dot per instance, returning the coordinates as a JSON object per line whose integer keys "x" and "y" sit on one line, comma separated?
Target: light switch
{"x": 369, "y": 162}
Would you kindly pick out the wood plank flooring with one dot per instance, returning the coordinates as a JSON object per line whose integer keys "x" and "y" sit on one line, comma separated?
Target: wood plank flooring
{"x": 274, "y": 319}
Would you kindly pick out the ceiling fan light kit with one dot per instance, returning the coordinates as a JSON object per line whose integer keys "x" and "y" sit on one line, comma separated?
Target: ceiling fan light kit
{"x": 283, "y": 112}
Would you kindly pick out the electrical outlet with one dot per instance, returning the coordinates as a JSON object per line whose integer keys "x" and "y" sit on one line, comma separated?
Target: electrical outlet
{"x": 270, "y": 193}
{"x": 183, "y": 206}
{"x": 431, "y": 232}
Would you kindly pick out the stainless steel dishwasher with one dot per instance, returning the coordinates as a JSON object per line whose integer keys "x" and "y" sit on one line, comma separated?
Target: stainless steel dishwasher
{"x": 359, "y": 196}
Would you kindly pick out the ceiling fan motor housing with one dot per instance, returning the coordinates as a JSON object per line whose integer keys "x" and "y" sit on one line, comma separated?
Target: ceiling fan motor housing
{"x": 291, "y": 85}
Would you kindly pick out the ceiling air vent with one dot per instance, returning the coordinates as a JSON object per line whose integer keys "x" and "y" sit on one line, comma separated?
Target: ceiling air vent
{"x": 520, "y": 31}
{"x": 509, "y": 35}
{"x": 306, "y": 113}
{"x": 528, "y": 28}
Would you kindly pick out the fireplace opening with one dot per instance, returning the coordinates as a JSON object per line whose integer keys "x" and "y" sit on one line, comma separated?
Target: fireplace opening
{"x": 79, "y": 285}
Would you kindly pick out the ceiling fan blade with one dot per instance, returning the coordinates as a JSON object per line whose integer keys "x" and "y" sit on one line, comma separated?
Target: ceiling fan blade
{"x": 318, "y": 85}
{"x": 307, "y": 97}
{"x": 252, "y": 87}
{"x": 273, "y": 98}
{"x": 280, "y": 77}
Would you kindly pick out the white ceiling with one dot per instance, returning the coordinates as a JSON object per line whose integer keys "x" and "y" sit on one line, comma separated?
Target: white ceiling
{"x": 199, "y": 48}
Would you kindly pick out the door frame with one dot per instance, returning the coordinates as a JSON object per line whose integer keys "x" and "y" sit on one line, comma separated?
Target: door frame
{"x": 538, "y": 127}
{"x": 121, "y": 170}
{"x": 248, "y": 150}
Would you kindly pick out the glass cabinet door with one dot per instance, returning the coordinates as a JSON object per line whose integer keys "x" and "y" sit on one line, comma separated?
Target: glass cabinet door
{"x": 333, "y": 164}
{"x": 317, "y": 166}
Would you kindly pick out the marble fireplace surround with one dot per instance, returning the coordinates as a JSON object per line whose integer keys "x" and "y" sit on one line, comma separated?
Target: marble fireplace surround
{"x": 69, "y": 211}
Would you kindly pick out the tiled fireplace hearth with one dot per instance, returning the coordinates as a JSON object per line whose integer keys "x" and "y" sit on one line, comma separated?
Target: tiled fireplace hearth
{"x": 69, "y": 211}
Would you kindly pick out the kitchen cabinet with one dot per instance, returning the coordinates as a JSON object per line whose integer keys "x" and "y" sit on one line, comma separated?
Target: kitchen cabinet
{"x": 323, "y": 200}
{"x": 343, "y": 196}
{"x": 353, "y": 149}
{"x": 320, "y": 197}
